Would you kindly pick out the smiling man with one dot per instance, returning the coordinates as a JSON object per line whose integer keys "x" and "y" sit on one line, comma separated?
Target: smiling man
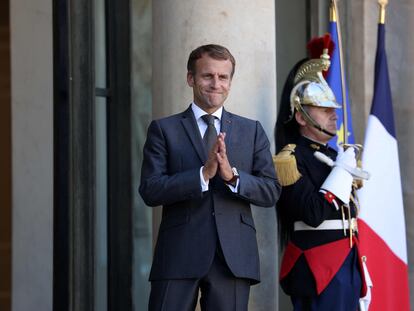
{"x": 205, "y": 166}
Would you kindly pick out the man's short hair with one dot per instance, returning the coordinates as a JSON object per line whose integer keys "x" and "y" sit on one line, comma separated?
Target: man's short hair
{"x": 214, "y": 51}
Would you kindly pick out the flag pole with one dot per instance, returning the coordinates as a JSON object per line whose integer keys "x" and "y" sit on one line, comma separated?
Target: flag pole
{"x": 335, "y": 18}
{"x": 382, "y": 4}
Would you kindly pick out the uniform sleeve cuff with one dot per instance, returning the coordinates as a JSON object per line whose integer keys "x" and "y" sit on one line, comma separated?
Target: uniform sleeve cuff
{"x": 330, "y": 197}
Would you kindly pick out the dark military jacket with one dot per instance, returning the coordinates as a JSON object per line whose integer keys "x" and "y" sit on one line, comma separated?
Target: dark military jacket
{"x": 303, "y": 201}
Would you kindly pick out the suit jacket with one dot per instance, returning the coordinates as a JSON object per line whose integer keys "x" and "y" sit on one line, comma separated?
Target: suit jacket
{"x": 193, "y": 222}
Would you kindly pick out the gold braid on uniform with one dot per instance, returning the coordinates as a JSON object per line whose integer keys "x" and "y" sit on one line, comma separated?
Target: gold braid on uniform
{"x": 286, "y": 166}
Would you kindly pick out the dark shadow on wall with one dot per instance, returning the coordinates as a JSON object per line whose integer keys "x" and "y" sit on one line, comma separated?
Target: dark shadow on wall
{"x": 5, "y": 159}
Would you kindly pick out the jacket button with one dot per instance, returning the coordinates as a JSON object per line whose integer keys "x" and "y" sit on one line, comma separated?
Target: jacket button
{"x": 212, "y": 213}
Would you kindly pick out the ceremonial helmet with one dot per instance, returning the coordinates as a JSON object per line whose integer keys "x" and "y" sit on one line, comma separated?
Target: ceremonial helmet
{"x": 306, "y": 86}
{"x": 310, "y": 87}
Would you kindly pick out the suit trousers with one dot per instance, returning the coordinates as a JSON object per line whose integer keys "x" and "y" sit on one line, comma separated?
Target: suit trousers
{"x": 220, "y": 291}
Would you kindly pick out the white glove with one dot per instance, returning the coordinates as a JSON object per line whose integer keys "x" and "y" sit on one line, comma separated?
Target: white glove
{"x": 339, "y": 181}
{"x": 356, "y": 172}
{"x": 347, "y": 157}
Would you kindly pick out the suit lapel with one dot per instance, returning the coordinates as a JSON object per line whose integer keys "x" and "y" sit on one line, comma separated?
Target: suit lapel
{"x": 191, "y": 128}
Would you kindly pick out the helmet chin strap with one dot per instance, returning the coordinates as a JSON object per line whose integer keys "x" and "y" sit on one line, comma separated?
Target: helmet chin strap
{"x": 312, "y": 122}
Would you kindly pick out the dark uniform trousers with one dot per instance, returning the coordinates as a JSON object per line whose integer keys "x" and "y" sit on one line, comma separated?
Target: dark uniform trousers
{"x": 342, "y": 293}
{"x": 220, "y": 291}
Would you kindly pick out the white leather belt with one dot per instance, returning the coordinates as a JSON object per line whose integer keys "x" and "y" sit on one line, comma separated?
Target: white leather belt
{"x": 332, "y": 224}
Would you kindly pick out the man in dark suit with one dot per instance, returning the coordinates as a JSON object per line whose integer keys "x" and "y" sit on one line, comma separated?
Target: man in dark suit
{"x": 205, "y": 166}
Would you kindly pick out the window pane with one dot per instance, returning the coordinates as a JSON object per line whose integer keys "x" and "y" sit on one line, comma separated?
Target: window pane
{"x": 101, "y": 215}
{"x": 101, "y": 208}
{"x": 100, "y": 44}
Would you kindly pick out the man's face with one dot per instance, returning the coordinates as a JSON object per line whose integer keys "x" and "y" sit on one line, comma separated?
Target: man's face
{"x": 325, "y": 117}
{"x": 211, "y": 82}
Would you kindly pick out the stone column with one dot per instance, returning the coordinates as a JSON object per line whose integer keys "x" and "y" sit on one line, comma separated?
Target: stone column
{"x": 32, "y": 154}
{"x": 400, "y": 52}
{"x": 247, "y": 29}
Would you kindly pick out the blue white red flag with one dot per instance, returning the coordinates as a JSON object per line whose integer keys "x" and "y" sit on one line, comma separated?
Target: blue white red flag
{"x": 381, "y": 223}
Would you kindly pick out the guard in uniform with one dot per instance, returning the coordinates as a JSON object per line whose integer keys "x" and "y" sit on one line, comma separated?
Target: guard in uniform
{"x": 320, "y": 269}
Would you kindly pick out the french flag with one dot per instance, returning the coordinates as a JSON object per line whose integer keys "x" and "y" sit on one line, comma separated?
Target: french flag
{"x": 381, "y": 220}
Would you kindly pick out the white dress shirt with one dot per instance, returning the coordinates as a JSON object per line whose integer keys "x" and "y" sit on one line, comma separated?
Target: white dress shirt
{"x": 202, "y": 127}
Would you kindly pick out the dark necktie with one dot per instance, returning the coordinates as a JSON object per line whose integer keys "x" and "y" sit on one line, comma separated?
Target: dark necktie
{"x": 210, "y": 136}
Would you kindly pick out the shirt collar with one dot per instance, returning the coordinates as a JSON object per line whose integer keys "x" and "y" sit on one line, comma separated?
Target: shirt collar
{"x": 315, "y": 145}
{"x": 315, "y": 141}
{"x": 198, "y": 112}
